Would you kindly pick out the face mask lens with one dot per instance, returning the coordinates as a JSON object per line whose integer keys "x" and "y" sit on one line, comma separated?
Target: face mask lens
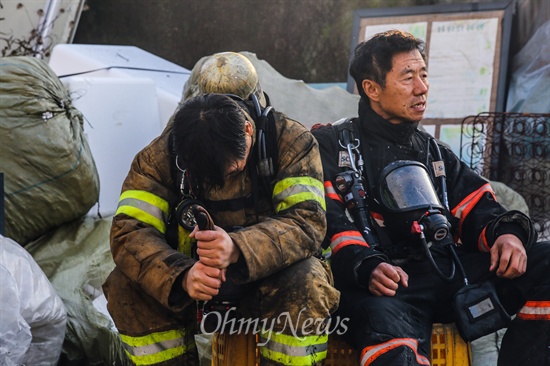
{"x": 406, "y": 186}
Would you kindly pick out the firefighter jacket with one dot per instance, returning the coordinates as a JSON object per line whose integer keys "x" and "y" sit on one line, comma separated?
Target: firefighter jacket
{"x": 284, "y": 228}
{"x": 476, "y": 217}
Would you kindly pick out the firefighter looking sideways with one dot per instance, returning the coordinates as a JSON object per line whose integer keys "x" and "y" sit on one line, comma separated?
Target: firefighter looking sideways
{"x": 435, "y": 245}
{"x": 218, "y": 220}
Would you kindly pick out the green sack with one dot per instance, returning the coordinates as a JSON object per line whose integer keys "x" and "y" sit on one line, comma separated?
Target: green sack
{"x": 50, "y": 176}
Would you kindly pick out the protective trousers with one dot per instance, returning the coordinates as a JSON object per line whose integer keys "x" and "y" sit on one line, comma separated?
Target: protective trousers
{"x": 290, "y": 310}
{"x": 397, "y": 330}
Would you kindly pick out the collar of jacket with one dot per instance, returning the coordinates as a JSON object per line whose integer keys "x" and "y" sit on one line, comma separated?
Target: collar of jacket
{"x": 374, "y": 125}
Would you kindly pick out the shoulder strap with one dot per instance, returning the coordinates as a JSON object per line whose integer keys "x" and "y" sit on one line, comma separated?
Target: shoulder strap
{"x": 171, "y": 234}
{"x": 266, "y": 156}
{"x": 345, "y": 131}
{"x": 271, "y": 141}
{"x": 266, "y": 137}
{"x": 175, "y": 171}
{"x": 356, "y": 195}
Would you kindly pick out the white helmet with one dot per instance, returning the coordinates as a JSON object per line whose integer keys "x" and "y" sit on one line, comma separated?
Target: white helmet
{"x": 225, "y": 73}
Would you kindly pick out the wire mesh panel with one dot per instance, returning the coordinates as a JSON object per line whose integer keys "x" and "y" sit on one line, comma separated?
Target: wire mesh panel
{"x": 513, "y": 148}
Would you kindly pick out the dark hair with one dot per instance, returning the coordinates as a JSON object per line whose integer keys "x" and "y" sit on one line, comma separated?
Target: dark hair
{"x": 373, "y": 58}
{"x": 208, "y": 136}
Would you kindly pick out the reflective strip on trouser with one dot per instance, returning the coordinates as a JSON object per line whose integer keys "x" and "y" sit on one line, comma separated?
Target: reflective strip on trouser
{"x": 145, "y": 207}
{"x": 291, "y": 191}
{"x": 535, "y": 310}
{"x": 150, "y": 334}
{"x": 291, "y": 350}
{"x": 155, "y": 347}
{"x": 371, "y": 353}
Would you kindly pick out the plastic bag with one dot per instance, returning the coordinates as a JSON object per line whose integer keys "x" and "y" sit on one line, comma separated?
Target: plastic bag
{"x": 33, "y": 317}
{"x": 76, "y": 258}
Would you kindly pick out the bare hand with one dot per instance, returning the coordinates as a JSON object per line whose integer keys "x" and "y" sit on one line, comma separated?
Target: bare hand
{"x": 508, "y": 257}
{"x": 385, "y": 279}
{"x": 202, "y": 282}
{"x": 215, "y": 248}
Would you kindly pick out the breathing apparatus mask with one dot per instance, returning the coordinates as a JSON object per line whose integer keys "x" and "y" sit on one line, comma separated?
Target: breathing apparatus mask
{"x": 408, "y": 194}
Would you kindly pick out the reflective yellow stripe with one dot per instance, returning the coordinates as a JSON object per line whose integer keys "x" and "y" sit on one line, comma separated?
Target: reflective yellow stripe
{"x": 145, "y": 207}
{"x": 291, "y": 191}
{"x": 159, "y": 357}
{"x": 290, "y": 340}
{"x": 155, "y": 347}
{"x": 327, "y": 253}
{"x": 289, "y": 350}
{"x": 185, "y": 243}
{"x": 152, "y": 338}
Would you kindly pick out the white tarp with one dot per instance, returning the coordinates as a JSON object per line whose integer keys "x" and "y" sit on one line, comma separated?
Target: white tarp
{"x": 32, "y": 316}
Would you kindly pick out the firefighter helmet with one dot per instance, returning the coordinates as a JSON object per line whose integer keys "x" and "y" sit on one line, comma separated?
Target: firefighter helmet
{"x": 226, "y": 73}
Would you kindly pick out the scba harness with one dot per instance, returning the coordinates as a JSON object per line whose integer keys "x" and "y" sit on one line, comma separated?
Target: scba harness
{"x": 477, "y": 308}
{"x": 427, "y": 220}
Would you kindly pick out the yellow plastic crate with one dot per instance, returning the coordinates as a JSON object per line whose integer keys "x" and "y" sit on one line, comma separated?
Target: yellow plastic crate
{"x": 235, "y": 350}
{"x": 340, "y": 353}
{"x": 448, "y": 349}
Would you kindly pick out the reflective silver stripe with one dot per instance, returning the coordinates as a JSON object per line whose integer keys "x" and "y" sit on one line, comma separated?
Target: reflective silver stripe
{"x": 355, "y": 239}
{"x": 329, "y": 190}
{"x": 145, "y": 207}
{"x": 153, "y": 348}
{"x": 291, "y": 191}
{"x": 295, "y": 189}
{"x": 471, "y": 200}
{"x": 535, "y": 310}
{"x": 293, "y": 350}
{"x": 374, "y": 352}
